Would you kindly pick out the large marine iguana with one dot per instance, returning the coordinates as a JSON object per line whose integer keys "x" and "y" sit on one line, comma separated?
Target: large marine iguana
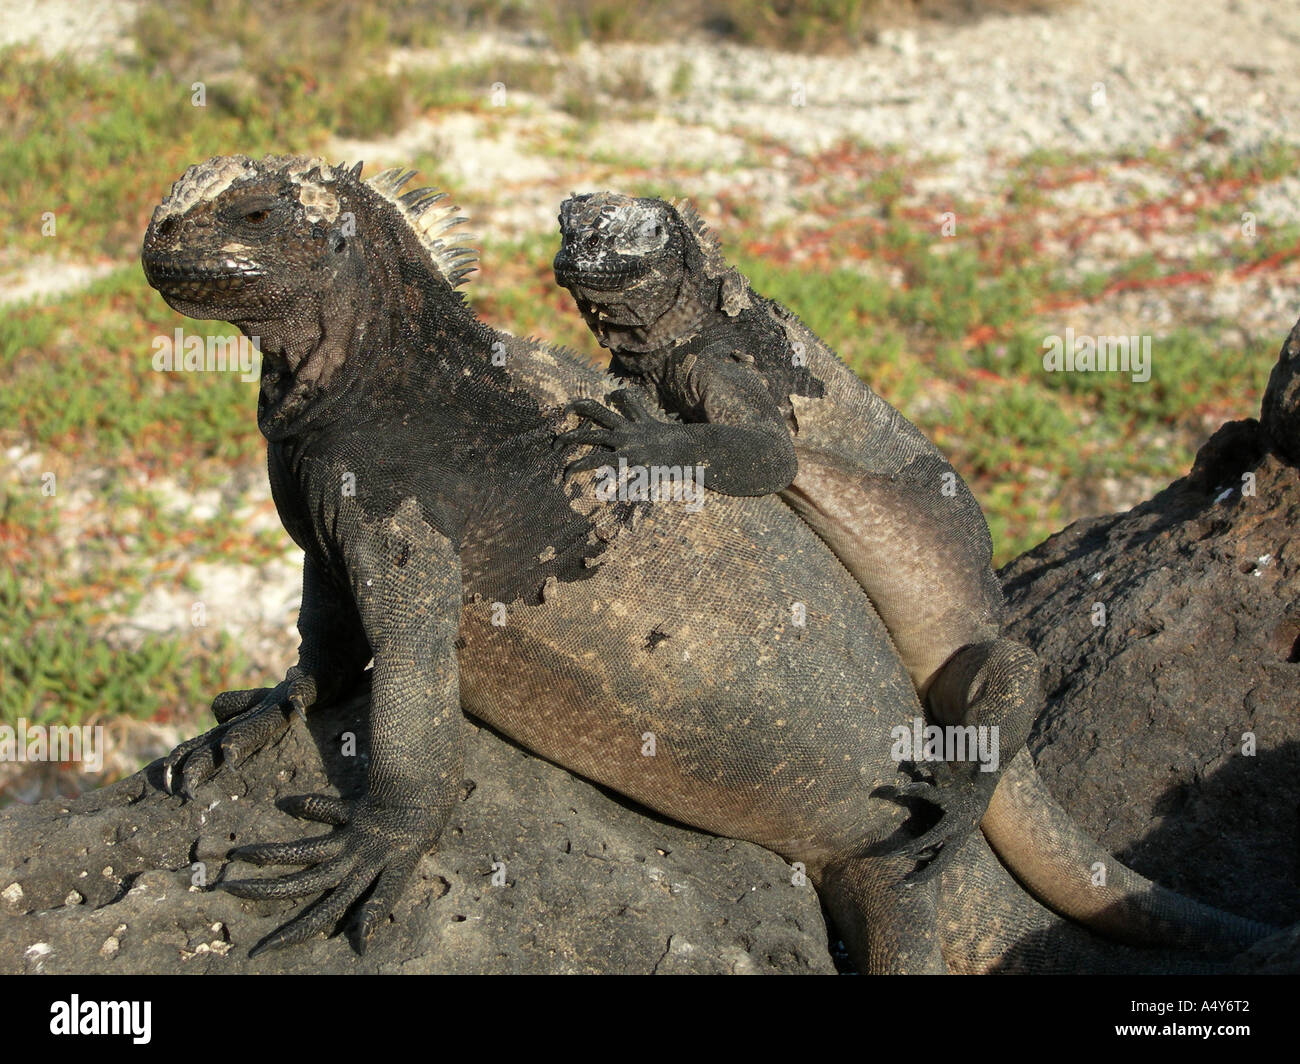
{"x": 411, "y": 457}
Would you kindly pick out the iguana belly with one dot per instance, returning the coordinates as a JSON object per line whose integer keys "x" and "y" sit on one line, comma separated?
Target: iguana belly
{"x": 749, "y": 693}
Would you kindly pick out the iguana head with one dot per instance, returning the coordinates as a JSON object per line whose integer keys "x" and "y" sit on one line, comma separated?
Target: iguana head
{"x": 643, "y": 271}
{"x": 623, "y": 258}
{"x": 308, "y": 259}
{"x": 243, "y": 241}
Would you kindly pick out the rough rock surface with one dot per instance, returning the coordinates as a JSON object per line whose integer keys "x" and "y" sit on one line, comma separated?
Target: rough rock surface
{"x": 591, "y": 885}
{"x": 1142, "y": 738}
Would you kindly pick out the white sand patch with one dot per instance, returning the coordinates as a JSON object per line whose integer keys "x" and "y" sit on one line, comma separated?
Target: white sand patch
{"x": 45, "y": 278}
{"x": 81, "y": 28}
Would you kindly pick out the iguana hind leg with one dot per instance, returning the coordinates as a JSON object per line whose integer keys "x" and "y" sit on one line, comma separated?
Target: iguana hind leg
{"x": 888, "y": 921}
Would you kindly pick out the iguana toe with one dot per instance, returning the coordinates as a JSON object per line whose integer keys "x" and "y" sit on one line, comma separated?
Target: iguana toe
{"x": 251, "y": 732}
{"x": 320, "y": 917}
{"x": 594, "y": 410}
{"x": 308, "y": 851}
{"x": 376, "y": 909}
{"x": 230, "y": 704}
{"x": 293, "y": 885}
{"x": 591, "y": 461}
{"x": 589, "y": 437}
{"x": 377, "y": 847}
{"x": 197, "y": 760}
{"x": 322, "y": 808}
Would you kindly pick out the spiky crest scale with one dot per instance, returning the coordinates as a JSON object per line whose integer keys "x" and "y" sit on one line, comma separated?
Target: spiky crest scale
{"x": 707, "y": 240}
{"x": 428, "y": 222}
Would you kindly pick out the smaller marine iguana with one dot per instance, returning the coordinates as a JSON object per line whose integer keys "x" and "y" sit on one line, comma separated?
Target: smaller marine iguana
{"x": 770, "y": 408}
{"x": 766, "y": 406}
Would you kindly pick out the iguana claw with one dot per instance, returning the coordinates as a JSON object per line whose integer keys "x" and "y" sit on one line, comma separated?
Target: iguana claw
{"x": 376, "y": 846}
{"x": 960, "y": 803}
{"x": 248, "y": 721}
{"x": 633, "y": 435}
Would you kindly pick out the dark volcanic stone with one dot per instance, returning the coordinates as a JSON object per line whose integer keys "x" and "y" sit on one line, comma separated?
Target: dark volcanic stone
{"x": 1145, "y": 735}
{"x": 591, "y": 884}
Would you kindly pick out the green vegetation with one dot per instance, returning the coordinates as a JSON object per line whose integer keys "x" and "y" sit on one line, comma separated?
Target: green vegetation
{"x": 93, "y": 389}
{"x": 76, "y": 565}
{"x": 58, "y": 670}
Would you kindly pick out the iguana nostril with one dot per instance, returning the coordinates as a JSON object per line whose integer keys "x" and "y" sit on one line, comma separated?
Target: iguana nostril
{"x": 166, "y": 227}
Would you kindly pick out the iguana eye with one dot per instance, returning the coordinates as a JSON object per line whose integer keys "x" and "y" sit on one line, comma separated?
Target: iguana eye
{"x": 254, "y": 211}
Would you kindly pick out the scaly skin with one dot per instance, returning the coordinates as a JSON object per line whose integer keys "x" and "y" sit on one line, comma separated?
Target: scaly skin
{"x": 412, "y": 456}
{"x": 766, "y": 407}
{"x": 418, "y": 471}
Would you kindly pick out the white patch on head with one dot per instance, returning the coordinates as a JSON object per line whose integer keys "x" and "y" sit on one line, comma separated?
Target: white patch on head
{"x": 645, "y": 230}
{"x": 625, "y": 227}
{"x": 321, "y": 204}
{"x": 635, "y": 228}
{"x": 206, "y": 181}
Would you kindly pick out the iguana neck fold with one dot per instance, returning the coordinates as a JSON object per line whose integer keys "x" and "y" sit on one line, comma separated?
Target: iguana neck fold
{"x": 692, "y": 305}
{"x": 307, "y": 372}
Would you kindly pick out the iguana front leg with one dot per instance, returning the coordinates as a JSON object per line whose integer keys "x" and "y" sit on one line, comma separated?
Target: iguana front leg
{"x": 406, "y": 579}
{"x": 731, "y": 427}
{"x": 331, "y": 657}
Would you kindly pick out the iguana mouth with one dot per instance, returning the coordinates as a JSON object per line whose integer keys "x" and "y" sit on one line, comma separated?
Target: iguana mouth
{"x": 573, "y": 276}
{"x": 192, "y": 280}
{"x": 603, "y": 314}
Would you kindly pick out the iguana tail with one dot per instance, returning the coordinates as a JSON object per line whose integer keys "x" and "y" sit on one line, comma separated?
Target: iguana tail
{"x": 1073, "y": 875}
{"x": 974, "y": 919}
{"x": 988, "y": 924}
